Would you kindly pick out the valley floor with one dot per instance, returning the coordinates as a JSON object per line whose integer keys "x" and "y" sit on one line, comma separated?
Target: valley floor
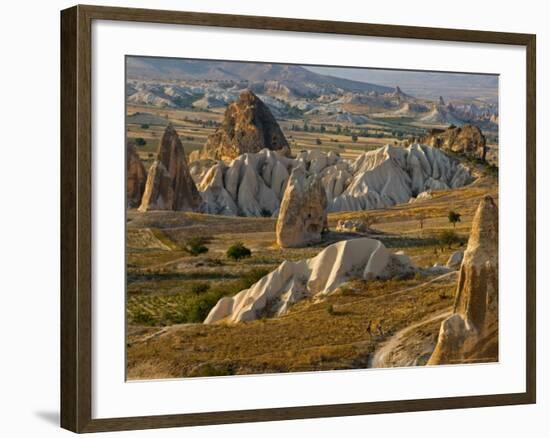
{"x": 169, "y": 292}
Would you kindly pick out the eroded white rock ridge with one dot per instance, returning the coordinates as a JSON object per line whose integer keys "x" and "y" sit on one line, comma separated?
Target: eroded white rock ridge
{"x": 273, "y": 294}
{"x": 253, "y": 184}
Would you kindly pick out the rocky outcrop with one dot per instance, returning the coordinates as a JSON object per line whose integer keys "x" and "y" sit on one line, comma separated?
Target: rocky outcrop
{"x": 250, "y": 185}
{"x": 392, "y": 175}
{"x": 291, "y": 282}
{"x": 254, "y": 183}
{"x": 352, "y": 226}
{"x": 468, "y": 140}
{"x": 136, "y": 176}
{"x": 248, "y": 126}
{"x": 303, "y": 214}
{"x": 169, "y": 183}
{"x": 471, "y": 333}
{"x": 455, "y": 260}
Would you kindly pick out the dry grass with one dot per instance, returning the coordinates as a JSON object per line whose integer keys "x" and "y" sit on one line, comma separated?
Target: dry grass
{"x": 308, "y": 338}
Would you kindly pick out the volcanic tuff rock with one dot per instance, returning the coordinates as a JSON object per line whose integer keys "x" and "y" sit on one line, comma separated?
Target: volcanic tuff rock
{"x": 467, "y": 139}
{"x": 303, "y": 213}
{"x": 392, "y": 175}
{"x": 273, "y": 294}
{"x": 169, "y": 183}
{"x": 254, "y": 184}
{"x": 471, "y": 333}
{"x": 136, "y": 176}
{"x": 248, "y": 126}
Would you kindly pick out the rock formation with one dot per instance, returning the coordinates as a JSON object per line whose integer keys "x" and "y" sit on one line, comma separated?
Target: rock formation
{"x": 471, "y": 333}
{"x": 468, "y": 140}
{"x": 169, "y": 183}
{"x": 248, "y": 126}
{"x": 455, "y": 260}
{"x": 352, "y": 226}
{"x": 254, "y": 183}
{"x": 303, "y": 213}
{"x": 392, "y": 175}
{"x": 273, "y": 294}
{"x": 136, "y": 176}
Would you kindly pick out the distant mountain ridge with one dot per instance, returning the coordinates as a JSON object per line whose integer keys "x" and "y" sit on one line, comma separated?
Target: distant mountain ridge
{"x": 294, "y": 77}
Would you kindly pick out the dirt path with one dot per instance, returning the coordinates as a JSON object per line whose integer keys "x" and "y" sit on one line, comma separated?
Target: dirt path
{"x": 381, "y": 356}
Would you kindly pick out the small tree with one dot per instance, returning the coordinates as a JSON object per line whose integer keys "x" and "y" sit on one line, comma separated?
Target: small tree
{"x": 238, "y": 251}
{"x": 454, "y": 217}
{"x": 144, "y": 126}
{"x": 195, "y": 246}
{"x": 140, "y": 141}
{"x": 318, "y": 141}
{"x": 354, "y": 138}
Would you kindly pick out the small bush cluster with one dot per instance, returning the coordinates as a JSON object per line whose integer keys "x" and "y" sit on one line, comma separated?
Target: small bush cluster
{"x": 195, "y": 246}
{"x": 238, "y": 251}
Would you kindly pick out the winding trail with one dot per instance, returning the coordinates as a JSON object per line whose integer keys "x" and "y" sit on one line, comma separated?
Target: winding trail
{"x": 381, "y": 355}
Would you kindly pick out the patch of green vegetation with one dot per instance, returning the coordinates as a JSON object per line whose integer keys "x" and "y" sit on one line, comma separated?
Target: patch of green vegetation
{"x": 196, "y": 245}
{"x": 238, "y": 251}
{"x": 454, "y": 217}
{"x": 190, "y": 305}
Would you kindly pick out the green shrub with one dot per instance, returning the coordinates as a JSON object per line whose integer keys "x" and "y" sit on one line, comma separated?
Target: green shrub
{"x": 238, "y": 251}
{"x": 330, "y": 309}
{"x": 195, "y": 246}
{"x": 453, "y": 217}
{"x": 140, "y": 141}
{"x": 200, "y": 307}
{"x": 144, "y": 126}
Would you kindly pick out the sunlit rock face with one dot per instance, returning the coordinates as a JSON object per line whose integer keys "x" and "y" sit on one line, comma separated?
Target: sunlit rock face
{"x": 169, "y": 183}
{"x": 248, "y": 126}
{"x": 471, "y": 333}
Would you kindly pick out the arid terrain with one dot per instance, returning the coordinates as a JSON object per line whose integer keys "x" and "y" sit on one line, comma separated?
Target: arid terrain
{"x": 227, "y": 242}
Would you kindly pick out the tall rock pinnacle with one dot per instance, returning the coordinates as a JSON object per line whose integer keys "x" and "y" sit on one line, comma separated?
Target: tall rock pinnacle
{"x": 471, "y": 333}
{"x": 169, "y": 183}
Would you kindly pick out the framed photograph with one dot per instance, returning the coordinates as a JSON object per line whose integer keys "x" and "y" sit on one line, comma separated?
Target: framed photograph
{"x": 268, "y": 219}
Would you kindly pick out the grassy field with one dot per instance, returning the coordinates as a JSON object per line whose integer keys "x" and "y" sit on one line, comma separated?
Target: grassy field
{"x": 324, "y": 335}
{"x": 169, "y": 291}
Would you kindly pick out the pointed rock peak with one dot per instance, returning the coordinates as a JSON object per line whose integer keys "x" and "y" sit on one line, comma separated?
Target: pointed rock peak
{"x": 441, "y": 101}
{"x": 248, "y": 96}
{"x": 136, "y": 176}
{"x": 484, "y": 226}
{"x": 170, "y": 146}
{"x": 248, "y": 126}
{"x": 471, "y": 333}
{"x": 398, "y": 90}
{"x": 169, "y": 183}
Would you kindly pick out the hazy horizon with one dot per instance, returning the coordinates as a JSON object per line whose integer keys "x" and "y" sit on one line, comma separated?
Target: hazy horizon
{"x": 422, "y": 84}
